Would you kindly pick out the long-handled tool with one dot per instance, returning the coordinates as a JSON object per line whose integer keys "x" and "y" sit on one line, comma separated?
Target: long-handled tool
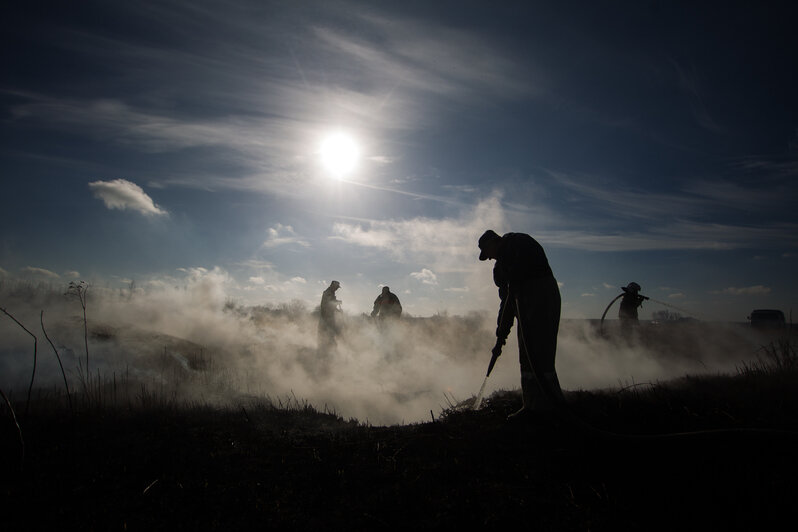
{"x": 496, "y": 352}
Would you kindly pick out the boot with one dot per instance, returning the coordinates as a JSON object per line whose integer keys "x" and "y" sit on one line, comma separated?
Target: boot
{"x": 546, "y": 412}
{"x": 553, "y": 384}
{"x": 548, "y": 396}
{"x": 529, "y": 393}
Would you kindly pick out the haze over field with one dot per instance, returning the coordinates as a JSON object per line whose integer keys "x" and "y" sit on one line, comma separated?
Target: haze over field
{"x": 190, "y": 342}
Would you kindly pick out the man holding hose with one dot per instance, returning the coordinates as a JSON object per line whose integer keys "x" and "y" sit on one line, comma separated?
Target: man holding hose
{"x": 529, "y": 292}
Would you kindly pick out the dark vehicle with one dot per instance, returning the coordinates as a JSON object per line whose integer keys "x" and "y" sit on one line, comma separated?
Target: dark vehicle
{"x": 767, "y": 319}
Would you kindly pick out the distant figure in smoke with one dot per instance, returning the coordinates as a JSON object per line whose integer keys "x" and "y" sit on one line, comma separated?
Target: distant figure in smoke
{"x": 328, "y": 322}
{"x": 630, "y": 302}
{"x": 529, "y": 292}
{"x": 387, "y": 305}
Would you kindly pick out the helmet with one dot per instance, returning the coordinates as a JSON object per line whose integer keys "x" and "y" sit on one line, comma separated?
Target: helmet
{"x": 632, "y": 287}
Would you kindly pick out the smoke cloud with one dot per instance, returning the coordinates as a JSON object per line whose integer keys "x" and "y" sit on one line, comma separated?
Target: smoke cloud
{"x": 191, "y": 341}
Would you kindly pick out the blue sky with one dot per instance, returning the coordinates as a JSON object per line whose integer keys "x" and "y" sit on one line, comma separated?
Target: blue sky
{"x": 164, "y": 142}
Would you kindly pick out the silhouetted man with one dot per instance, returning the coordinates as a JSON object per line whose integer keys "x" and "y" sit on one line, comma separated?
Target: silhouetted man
{"x": 328, "y": 324}
{"x": 386, "y": 305}
{"x": 630, "y": 301}
{"x": 528, "y": 291}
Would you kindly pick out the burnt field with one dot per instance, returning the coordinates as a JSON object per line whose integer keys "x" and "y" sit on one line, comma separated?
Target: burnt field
{"x": 285, "y": 464}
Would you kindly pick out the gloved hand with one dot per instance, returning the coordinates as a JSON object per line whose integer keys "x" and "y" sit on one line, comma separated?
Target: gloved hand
{"x": 497, "y": 349}
{"x": 503, "y": 333}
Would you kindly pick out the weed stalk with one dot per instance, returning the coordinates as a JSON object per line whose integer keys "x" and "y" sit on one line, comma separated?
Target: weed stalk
{"x": 35, "y": 349}
{"x": 19, "y": 429}
{"x": 79, "y": 290}
{"x": 57, "y": 356}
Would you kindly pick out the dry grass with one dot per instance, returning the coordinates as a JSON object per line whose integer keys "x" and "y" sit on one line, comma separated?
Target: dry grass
{"x": 136, "y": 458}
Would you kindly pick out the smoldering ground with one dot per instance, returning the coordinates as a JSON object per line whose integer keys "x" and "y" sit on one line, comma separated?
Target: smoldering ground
{"x": 192, "y": 343}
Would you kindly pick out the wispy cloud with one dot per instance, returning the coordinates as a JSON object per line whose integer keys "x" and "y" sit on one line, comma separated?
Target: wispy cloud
{"x": 702, "y": 214}
{"x": 382, "y": 159}
{"x": 261, "y": 111}
{"x": 766, "y": 196}
{"x": 40, "y": 272}
{"x": 744, "y": 291}
{"x": 608, "y": 199}
{"x": 367, "y": 236}
{"x": 770, "y": 167}
{"x": 444, "y": 245}
{"x": 433, "y": 58}
{"x": 679, "y": 235}
{"x": 424, "y": 240}
{"x": 457, "y": 289}
{"x": 125, "y": 195}
{"x": 256, "y": 264}
{"x": 280, "y": 235}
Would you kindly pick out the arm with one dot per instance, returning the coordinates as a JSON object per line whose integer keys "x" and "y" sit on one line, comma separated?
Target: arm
{"x": 504, "y": 321}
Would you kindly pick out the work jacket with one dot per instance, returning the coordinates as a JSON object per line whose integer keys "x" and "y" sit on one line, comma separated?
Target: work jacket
{"x": 387, "y": 305}
{"x": 329, "y": 305}
{"x": 520, "y": 259}
{"x": 629, "y": 304}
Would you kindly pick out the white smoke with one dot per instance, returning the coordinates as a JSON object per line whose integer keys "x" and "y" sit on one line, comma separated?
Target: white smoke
{"x": 191, "y": 340}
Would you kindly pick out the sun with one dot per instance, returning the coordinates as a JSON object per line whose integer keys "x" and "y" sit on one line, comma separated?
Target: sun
{"x": 339, "y": 154}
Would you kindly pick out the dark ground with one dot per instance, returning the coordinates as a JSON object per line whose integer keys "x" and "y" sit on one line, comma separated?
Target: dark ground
{"x": 257, "y": 467}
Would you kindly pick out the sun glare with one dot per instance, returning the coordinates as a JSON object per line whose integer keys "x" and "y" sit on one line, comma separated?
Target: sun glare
{"x": 339, "y": 154}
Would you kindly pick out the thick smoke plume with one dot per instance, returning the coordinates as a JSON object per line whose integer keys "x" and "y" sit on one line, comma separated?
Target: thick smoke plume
{"x": 193, "y": 343}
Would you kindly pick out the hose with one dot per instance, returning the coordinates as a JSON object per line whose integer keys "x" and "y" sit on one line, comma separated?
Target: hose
{"x": 601, "y": 325}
